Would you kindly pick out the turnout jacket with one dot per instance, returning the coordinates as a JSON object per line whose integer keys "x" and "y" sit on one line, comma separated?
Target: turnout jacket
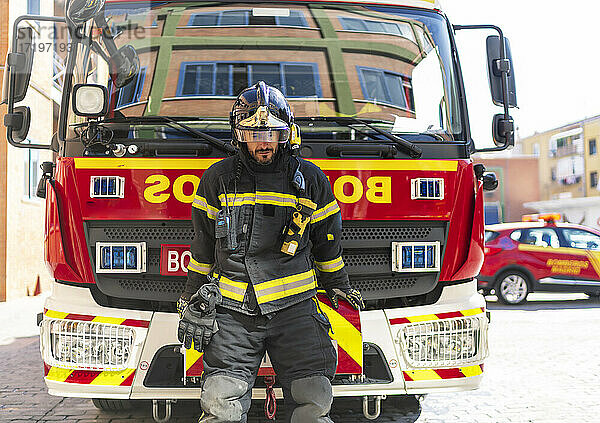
{"x": 254, "y": 276}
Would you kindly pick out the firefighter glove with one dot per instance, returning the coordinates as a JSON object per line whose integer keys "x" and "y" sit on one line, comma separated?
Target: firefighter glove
{"x": 198, "y": 323}
{"x": 349, "y": 294}
{"x": 182, "y": 303}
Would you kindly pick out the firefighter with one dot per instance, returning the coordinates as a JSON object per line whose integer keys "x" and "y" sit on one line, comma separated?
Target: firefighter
{"x": 258, "y": 216}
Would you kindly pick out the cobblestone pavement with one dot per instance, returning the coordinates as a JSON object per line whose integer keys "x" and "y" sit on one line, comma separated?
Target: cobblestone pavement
{"x": 544, "y": 367}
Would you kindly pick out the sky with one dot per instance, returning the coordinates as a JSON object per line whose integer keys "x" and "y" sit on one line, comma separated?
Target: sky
{"x": 556, "y": 57}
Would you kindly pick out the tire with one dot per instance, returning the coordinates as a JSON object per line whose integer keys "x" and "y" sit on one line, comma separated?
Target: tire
{"x": 512, "y": 287}
{"x": 112, "y": 404}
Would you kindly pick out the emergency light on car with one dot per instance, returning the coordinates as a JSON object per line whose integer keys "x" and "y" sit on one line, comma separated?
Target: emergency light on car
{"x": 416, "y": 256}
{"x": 427, "y": 188}
{"x": 107, "y": 187}
{"x": 128, "y": 257}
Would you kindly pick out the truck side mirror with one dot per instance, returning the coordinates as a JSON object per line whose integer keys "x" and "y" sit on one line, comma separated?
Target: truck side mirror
{"x": 503, "y": 131}
{"x": 18, "y": 123}
{"x": 20, "y": 63}
{"x": 496, "y": 67}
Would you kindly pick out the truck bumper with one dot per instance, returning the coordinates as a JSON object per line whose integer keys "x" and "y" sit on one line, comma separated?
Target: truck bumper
{"x": 385, "y": 329}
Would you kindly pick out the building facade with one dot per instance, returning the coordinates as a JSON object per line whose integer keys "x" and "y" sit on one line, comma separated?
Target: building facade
{"x": 22, "y": 267}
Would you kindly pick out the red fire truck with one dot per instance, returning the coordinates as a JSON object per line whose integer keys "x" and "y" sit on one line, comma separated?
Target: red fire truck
{"x": 377, "y": 91}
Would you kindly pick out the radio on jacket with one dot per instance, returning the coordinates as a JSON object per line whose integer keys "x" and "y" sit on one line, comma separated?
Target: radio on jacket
{"x": 295, "y": 229}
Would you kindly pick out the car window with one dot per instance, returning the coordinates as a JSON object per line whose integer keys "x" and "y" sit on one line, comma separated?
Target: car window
{"x": 542, "y": 237}
{"x": 490, "y": 236}
{"x": 578, "y": 238}
{"x": 515, "y": 235}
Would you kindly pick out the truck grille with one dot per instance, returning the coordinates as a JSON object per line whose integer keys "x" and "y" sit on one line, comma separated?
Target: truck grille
{"x": 367, "y": 255}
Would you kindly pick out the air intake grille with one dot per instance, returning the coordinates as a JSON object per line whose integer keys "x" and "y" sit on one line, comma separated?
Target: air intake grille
{"x": 391, "y": 234}
{"x": 150, "y": 233}
{"x": 385, "y": 284}
{"x": 156, "y": 286}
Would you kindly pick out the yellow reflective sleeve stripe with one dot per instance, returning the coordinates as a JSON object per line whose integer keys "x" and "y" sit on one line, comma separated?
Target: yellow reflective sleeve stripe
{"x": 201, "y": 203}
{"x": 232, "y": 289}
{"x": 347, "y": 336}
{"x": 331, "y": 265}
{"x": 112, "y": 378}
{"x": 202, "y": 268}
{"x": 323, "y": 213}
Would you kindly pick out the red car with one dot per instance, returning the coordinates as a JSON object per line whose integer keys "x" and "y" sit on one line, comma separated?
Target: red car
{"x": 524, "y": 257}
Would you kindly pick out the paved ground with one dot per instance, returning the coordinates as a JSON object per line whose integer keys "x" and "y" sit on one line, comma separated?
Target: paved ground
{"x": 544, "y": 367}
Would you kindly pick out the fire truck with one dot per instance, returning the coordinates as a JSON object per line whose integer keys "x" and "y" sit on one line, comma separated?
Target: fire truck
{"x": 378, "y": 94}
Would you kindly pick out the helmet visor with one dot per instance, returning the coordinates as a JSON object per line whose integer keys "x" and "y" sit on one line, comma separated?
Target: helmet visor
{"x": 257, "y": 135}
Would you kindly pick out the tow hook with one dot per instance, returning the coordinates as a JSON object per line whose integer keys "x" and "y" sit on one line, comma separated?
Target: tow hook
{"x": 156, "y": 413}
{"x": 377, "y": 399}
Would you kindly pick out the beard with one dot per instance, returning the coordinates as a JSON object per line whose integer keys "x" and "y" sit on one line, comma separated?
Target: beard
{"x": 264, "y": 156}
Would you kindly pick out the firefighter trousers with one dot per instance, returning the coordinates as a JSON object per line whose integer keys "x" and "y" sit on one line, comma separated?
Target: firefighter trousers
{"x": 300, "y": 351}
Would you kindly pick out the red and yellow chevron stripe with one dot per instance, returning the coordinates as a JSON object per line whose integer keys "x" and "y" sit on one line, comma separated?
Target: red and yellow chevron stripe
{"x": 96, "y": 319}
{"x": 90, "y": 377}
{"x": 437, "y": 316}
{"x": 438, "y": 374}
{"x": 345, "y": 322}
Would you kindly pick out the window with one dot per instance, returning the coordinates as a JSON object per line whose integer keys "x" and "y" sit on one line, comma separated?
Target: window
{"x": 33, "y": 7}
{"x": 490, "y": 236}
{"x": 131, "y": 92}
{"x": 397, "y": 28}
{"x": 31, "y": 171}
{"x": 592, "y": 145}
{"x": 536, "y": 150}
{"x": 384, "y": 86}
{"x": 594, "y": 179}
{"x": 246, "y": 17}
{"x": 542, "y": 237}
{"x": 228, "y": 79}
{"x": 578, "y": 238}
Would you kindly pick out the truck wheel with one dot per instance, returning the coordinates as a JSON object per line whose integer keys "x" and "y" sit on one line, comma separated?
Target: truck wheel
{"x": 112, "y": 404}
{"x": 512, "y": 287}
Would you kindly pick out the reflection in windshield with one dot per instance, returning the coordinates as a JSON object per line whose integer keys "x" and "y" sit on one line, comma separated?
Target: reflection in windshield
{"x": 382, "y": 63}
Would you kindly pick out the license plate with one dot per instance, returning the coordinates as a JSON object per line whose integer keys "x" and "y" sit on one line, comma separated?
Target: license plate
{"x": 174, "y": 259}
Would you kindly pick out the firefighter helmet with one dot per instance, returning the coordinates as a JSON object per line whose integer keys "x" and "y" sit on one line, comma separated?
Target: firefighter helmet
{"x": 261, "y": 114}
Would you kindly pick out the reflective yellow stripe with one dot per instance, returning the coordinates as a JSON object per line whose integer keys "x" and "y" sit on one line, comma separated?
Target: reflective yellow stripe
{"x": 56, "y": 314}
{"x": 201, "y": 203}
{"x": 232, "y": 289}
{"x": 287, "y": 293}
{"x": 331, "y": 265}
{"x": 471, "y": 312}
{"x": 422, "y": 318}
{"x": 191, "y": 357}
{"x": 109, "y": 320}
{"x": 347, "y": 336}
{"x": 58, "y": 374}
{"x": 236, "y": 200}
{"x": 425, "y": 374}
{"x": 471, "y": 370}
{"x": 202, "y": 268}
{"x": 323, "y": 213}
{"x": 112, "y": 378}
{"x": 324, "y": 164}
{"x": 282, "y": 281}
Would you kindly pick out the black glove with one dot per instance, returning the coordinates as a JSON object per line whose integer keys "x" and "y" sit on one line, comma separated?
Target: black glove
{"x": 351, "y": 295}
{"x": 198, "y": 322}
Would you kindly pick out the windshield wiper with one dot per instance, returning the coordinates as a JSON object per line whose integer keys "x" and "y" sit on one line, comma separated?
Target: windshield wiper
{"x": 174, "y": 123}
{"x": 413, "y": 150}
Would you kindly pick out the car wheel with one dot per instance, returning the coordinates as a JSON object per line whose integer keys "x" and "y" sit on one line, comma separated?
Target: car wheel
{"x": 512, "y": 287}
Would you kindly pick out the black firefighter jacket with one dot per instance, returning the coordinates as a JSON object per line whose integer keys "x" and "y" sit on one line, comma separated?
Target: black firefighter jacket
{"x": 254, "y": 276}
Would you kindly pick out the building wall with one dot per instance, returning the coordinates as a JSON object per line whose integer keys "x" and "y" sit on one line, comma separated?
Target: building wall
{"x": 24, "y": 243}
{"x": 539, "y": 144}
{"x": 517, "y": 184}
{"x": 3, "y": 147}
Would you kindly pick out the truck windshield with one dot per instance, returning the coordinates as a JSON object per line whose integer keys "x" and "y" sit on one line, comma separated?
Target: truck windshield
{"x": 386, "y": 64}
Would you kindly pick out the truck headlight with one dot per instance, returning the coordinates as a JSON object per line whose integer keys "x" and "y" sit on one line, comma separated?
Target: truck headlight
{"x": 442, "y": 343}
{"x": 98, "y": 346}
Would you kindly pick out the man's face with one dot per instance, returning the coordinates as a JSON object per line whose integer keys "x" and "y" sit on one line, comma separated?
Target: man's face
{"x": 262, "y": 151}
